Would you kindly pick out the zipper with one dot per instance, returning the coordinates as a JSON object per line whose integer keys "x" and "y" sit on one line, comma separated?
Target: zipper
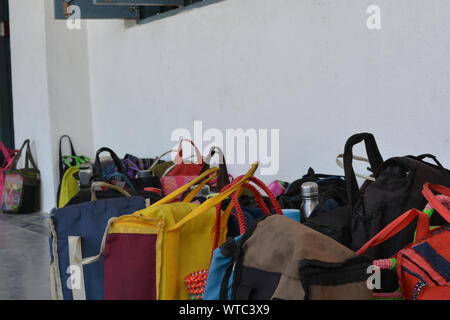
{"x": 418, "y": 289}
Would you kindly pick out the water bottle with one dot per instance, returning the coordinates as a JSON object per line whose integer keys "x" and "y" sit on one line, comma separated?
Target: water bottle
{"x": 310, "y": 199}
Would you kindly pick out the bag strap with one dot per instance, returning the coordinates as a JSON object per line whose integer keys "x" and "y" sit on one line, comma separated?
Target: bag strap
{"x": 373, "y": 155}
{"x": 123, "y": 177}
{"x": 114, "y": 157}
{"x": 158, "y": 158}
{"x": 239, "y": 212}
{"x": 259, "y": 200}
{"x": 235, "y": 204}
{"x": 434, "y": 201}
{"x": 172, "y": 196}
{"x": 8, "y": 156}
{"x": 61, "y": 162}
{"x": 358, "y": 158}
{"x": 223, "y": 178}
{"x": 28, "y": 156}
{"x": 423, "y": 227}
{"x": 179, "y": 157}
{"x": 197, "y": 189}
{"x": 108, "y": 185}
{"x": 212, "y": 202}
{"x": 429, "y": 156}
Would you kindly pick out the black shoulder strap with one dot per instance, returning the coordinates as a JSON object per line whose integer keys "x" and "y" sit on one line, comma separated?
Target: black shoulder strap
{"x": 373, "y": 154}
{"x": 61, "y": 162}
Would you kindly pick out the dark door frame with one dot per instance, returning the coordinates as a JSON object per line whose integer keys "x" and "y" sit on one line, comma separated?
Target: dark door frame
{"x": 6, "y": 102}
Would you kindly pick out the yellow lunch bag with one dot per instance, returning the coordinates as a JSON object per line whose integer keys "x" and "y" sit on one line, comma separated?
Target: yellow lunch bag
{"x": 148, "y": 254}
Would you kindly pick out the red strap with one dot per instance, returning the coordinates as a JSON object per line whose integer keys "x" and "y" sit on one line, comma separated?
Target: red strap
{"x": 423, "y": 227}
{"x": 269, "y": 193}
{"x": 218, "y": 214}
{"x": 434, "y": 201}
{"x": 179, "y": 157}
{"x": 237, "y": 206}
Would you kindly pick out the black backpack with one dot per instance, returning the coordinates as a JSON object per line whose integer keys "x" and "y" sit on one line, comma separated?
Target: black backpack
{"x": 331, "y": 187}
{"x": 397, "y": 189}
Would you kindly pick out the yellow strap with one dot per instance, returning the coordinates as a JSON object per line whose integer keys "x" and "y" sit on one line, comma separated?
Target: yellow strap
{"x": 208, "y": 204}
{"x": 194, "y": 192}
{"x": 169, "y": 198}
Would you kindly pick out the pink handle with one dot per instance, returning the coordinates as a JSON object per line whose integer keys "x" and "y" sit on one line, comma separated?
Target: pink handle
{"x": 7, "y": 163}
{"x": 434, "y": 201}
{"x": 7, "y": 154}
{"x": 179, "y": 157}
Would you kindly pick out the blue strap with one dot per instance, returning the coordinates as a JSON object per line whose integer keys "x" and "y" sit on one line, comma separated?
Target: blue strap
{"x": 437, "y": 262}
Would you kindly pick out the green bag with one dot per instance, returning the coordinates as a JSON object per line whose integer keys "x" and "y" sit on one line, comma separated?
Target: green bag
{"x": 159, "y": 168}
{"x": 69, "y": 186}
{"x": 68, "y": 182}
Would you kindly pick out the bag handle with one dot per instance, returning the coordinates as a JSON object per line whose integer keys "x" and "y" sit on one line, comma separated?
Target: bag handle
{"x": 108, "y": 185}
{"x": 98, "y": 165}
{"x": 158, "y": 158}
{"x": 435, "y": 203}
{"x": 8, "y": 156}
{"x": 223, "y": 178}
{"x": 373, "y": 155}
{"x": 28, "y": 156}
{"x": 197, "y": 189}
{"x": 259, "y": 200}
{"x": 172, "y": 196}
{"x": 179, "y": 157}
{"x": 72, "y": 150}
{"x": 212, "y": 202}
{"x": 432, "y": 157}
{"x": 358, "y": 158}
{"x": 123, "y": 177}
{"x": 235, "y": 204}
{"x": 423, "y": 227}
{"x": 239, "y": 213}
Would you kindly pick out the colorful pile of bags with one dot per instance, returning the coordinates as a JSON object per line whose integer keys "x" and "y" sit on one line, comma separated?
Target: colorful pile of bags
{"x": 175, "y": 230}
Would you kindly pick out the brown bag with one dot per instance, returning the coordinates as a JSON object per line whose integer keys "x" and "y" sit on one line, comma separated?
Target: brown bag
{"x": 281, "y": 259}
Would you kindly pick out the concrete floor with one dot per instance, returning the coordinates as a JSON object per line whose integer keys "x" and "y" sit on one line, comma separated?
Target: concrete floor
{"x": 24, "y": 257}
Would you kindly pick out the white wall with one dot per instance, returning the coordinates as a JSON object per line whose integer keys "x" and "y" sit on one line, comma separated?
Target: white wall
{"x": 30, "y": 87}
{"x": 310, "y": 68}
{"x": 69, "y": 91}
{"x": 50, "y": 87}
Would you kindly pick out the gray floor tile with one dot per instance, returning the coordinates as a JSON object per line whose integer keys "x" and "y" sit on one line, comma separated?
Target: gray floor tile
{"x": 24, "y": 257}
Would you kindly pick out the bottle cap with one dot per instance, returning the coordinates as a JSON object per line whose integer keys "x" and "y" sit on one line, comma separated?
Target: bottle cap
{"x": 310, "y": 189}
